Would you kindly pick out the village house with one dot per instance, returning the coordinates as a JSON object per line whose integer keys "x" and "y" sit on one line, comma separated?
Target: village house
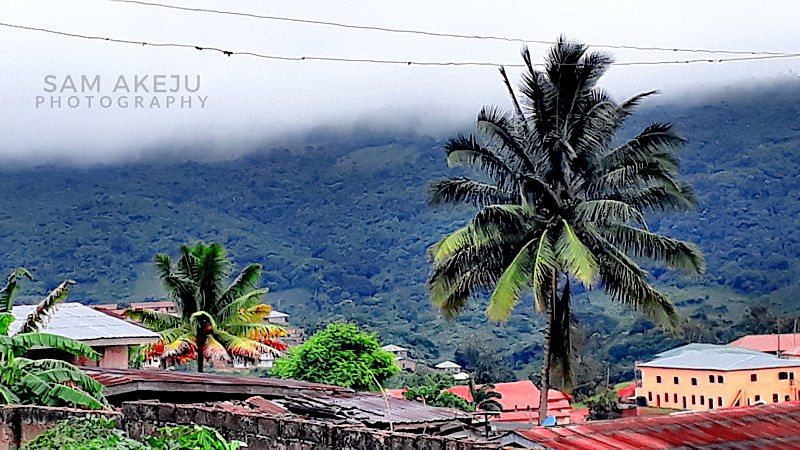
{"x": 401, "y": 355}
{"x": 706, "y": 376}
{"x": 109, "y": 335}
{"x": 519, "y": 401}
{"x": 786, "y": 344}
{"x": 166, "y": 307}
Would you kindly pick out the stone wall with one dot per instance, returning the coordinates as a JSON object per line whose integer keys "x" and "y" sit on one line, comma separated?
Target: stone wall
{"x": 22, "y": 423}
{"x": 262, "y": 432}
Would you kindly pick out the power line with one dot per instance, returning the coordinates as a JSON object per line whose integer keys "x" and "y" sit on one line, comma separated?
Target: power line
{"x": 438, "y": 34}
{"x": 374, "y": 61}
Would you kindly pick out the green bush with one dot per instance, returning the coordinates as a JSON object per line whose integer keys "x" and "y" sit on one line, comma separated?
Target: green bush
{"x": 100, "y": 433}
{"x": 196, "y": 437}
{"x": 341, "y": 355}
{"x": 85, "y": 433}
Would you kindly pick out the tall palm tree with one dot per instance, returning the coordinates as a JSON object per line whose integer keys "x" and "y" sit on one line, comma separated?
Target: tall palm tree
{"x": 48, "y": 382}
{"x": 217, "y": 321}
{"x": 560, "y": 203}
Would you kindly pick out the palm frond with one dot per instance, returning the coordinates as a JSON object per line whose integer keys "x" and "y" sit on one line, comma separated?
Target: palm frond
{"x": 153, "y": 320}
{"x": 656, "y": 139}
{"x": 462, "y": 190}
{"x": 41, "y": 315}
{"x": 643, "y": 243}
{"x": 607, "y": 212}
{"x": 574, "y": 256}
{"x": 517, "y": 277}
{"x": 11, "y": 289}
{"x": 245, "y": 282}
{"x": 496, "y": 124}
{"x": 466, "y": 151}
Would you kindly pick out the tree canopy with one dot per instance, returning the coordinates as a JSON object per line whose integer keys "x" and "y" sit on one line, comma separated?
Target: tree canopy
{"x": 341, "y": 355}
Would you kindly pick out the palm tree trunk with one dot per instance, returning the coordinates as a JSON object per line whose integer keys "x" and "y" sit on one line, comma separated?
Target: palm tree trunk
{"x": 201, "y": 346}
{"x": 543, "y": 390}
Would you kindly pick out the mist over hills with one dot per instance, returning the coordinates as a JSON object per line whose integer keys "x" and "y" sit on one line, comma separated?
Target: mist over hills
{"x": 342, "y": 226}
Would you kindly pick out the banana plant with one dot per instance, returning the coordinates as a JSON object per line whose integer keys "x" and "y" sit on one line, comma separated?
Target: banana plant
{"x": 48, "y": 382}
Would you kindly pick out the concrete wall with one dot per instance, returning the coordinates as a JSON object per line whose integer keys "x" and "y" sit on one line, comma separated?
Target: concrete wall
{"x": 736, "y": 386}
{"x": 114, "y": 357}
{"x": 22, "y": 423}
{"x": 262, "y": 432}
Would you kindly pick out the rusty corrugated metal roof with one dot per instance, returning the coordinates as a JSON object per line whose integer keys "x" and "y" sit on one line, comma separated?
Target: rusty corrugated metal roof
{"x": 774, "y": 426}
{"x": 299, "y": 396}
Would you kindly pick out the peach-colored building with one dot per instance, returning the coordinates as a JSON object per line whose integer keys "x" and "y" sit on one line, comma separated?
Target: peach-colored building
{"x": 111, "y": 336}
{"x": 706, "y": 376}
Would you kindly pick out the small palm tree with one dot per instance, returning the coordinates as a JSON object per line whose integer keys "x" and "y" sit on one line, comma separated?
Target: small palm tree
{"x": 217, "y": 321}
{"x": 559, "y": 203}
{"x": 46, "y": 382}
{"x": 485, "y": 397}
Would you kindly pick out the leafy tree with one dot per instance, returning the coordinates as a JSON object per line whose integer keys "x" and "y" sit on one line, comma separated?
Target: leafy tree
{"x": 604, "y": 405}
{"x": 48, "y": 382}
{"x": 217, "y": 321}
{"x": 559, "y": 203}
{"x": 483, "y": 364}
{"x": 421, "y": 376}
{"x": 341, "y": 355}
{"x": 431, "y": 395}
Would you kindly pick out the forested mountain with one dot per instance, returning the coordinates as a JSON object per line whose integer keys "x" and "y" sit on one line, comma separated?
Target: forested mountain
{"x": 341, "y": 225}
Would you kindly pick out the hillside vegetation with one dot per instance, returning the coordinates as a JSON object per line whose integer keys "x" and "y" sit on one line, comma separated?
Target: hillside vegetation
{"x": 342, "y": 226}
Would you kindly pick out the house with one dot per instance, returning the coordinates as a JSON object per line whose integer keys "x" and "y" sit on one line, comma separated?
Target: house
{"x": 763, "y": 426}
{"x": 278, "y": 318}
{"x": 113, "y": 308}
{"x": 448, "y": 366}
{"x": 519, "y": 401}
{"x": 111, "y": 336}
{"x": 706, "y": 376}
{"x": 165, "y": 307}
{"x": 776, "y": 344}
{"x": 401, "y": 355}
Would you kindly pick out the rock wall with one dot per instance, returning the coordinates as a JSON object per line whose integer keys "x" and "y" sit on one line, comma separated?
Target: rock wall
{"x": 22, "y": 423}
{"x": 262, "y": 432}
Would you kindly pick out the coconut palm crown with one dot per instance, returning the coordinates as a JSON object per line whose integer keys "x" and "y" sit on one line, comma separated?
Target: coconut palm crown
{"x": 559, "y": 202}
{"x": 218, "y": 321}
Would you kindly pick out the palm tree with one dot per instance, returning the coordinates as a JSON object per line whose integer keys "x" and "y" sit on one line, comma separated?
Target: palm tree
{"x": 46, "y": 382}
{"x": 560, "y": 203}
{"x": 217, "y": 321}
{"x": 485, "y": 397}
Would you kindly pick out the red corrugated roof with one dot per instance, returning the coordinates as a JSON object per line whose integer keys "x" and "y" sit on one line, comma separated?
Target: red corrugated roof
{"x": 763, "y": 427}
{"x": 627, "y": 391}
{"x": 520, "y": 401}
{"x": 768, "y": 342}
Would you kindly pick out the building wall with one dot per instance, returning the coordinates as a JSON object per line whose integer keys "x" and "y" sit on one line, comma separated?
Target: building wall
{"x": 262, "y": 432}
{"x": 736, "y": 387}
{"x": 21, "y": 423}
{"x": 114, "y": 357}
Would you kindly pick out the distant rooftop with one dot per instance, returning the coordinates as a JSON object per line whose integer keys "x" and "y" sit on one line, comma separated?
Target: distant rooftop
{"x": 274, "y": 314}
{"x": 150, "y": 305}
{"x": 447, "y": 365}
{"x": 717, "y": 357}
{"x": 394, "y": 348}
{"x": 85, "y": 324}
{"x": 768, "y": 342}
{"x": 761, "y": 426}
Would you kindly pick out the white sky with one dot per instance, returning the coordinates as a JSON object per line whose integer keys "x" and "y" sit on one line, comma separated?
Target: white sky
{"x": 253, "y": 102}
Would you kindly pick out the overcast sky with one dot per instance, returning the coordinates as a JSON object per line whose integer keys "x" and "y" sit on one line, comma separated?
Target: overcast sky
{"x": 252, "y": 102}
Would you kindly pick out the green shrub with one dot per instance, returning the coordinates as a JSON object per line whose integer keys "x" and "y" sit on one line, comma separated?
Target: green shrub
{"x": 194, "y": 437}
{"x": 85, "y": 433}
